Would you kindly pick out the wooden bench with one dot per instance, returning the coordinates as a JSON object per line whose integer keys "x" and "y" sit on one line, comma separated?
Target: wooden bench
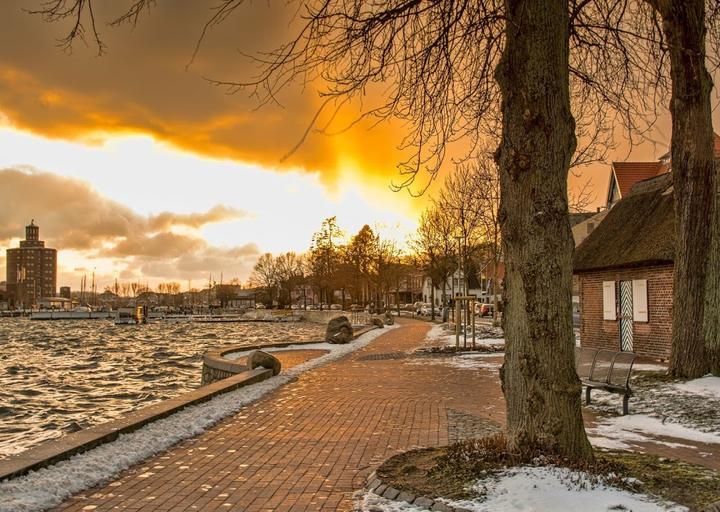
{"x": 608, "y": 370}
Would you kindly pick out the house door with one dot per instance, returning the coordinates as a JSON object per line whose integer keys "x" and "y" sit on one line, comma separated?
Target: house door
{"x": 626, "y": 316}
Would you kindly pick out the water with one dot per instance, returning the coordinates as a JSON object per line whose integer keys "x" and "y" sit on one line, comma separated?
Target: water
{"x": 58, "y": 377}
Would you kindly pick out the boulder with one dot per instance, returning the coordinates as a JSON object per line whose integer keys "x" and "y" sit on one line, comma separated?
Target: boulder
{"x": 389, "y": 318}
{"x": 259, "y": 358}
{"x": 339, "y": 330}
{"x": 378, "y": 323}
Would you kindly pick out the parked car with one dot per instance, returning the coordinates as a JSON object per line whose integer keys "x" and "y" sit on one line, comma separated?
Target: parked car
{"x": 484, "y": 309}
{"x": 259, "y": 306}
{"x": 426, "y": 309}
{"x": 336, "y": 307}
{"x": 356, "y": 307}
{"x": 295, "y": 306}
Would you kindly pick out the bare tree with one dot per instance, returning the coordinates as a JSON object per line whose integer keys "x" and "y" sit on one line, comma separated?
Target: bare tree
{"x": 485, "y": 186}
{"x": 324, "y": 258}
{"x": 434, "y": 250}
{"x": 459, "y": 201}
{"x": 290, "y": 271}
{"x": 265, "y": 275}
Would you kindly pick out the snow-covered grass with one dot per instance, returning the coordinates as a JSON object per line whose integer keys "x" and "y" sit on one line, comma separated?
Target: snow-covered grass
{"x": 49, "y": 486}
{"x": 538, "y": 489}
{"x": 686, "y": 411}
{"x": 443, "y": 335}
{"x": 466, "y": 361}
{"x": 616, "y": 432}
{"x": 705, "y": 386}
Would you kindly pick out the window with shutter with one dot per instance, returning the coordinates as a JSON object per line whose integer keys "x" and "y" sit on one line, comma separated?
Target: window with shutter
{"x": 609, "y": 308}
{"x": 640, "y": 300}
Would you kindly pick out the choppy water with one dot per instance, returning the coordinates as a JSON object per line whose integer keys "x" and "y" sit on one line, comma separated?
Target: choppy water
{"x": 60, "y": 376}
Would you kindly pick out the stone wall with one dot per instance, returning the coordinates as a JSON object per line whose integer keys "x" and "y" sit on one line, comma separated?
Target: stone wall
{"x": 651, "y": 338}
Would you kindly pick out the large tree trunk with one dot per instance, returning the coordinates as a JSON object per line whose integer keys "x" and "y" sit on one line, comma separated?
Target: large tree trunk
{"x": 693, "y": 181}
{"x": 541, "y": 387}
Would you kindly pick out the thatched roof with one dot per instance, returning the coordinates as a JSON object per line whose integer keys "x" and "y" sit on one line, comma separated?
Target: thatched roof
{"x": 638, "y": 230}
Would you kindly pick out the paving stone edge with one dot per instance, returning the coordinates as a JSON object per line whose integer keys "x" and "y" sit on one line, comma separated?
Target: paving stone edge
{"x": 376, "y": 485}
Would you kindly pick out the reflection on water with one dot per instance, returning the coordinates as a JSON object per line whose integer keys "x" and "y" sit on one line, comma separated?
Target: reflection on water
{"x": 61, "y": 376}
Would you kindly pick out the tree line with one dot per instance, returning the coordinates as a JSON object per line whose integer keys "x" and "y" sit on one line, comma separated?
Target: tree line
{"x": 366, "y": 269}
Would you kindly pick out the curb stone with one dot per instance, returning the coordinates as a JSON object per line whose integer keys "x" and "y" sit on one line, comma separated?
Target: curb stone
{"x": 376, "y": 485}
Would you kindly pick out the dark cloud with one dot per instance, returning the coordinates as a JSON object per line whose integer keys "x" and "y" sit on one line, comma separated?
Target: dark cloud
{"x": 141, "y": 84}
{"x": 235, "y": 261}
{"x": 72, "y": 215}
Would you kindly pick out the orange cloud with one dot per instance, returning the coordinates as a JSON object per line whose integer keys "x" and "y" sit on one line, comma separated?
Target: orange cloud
{"x": 141, "y": 86}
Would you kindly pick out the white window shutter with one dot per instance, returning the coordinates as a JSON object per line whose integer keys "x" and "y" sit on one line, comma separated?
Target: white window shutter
{"x": 640, "y": 301}
{"x": 609, "y": 310}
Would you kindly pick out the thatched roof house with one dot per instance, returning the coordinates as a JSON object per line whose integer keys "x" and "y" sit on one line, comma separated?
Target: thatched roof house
{"x": 625, "y": 268}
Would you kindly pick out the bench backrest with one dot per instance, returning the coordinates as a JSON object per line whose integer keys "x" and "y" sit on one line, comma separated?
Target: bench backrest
{"x": 620, "y": 373}
{"x": 602, "y": 368}
{"x": 584, "y": 360}
{"x": 612, "y": 367}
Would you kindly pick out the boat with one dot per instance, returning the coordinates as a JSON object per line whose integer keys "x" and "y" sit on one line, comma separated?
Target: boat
{"x": 208, "y": 319}
{"x": 131, "y": 316}
{"x": 78, "y": 313}
{"x": 178, "y": 319}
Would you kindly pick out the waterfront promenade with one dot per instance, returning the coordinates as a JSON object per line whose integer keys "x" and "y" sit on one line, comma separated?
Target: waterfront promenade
{"x": 309, "y": 444}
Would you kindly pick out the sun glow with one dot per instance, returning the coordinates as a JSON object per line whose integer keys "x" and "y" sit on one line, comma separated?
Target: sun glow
{"x": 281, "y": 209}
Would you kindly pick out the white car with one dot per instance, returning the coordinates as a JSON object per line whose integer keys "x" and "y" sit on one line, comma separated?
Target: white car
{"x": 426, "y": 309}
{"x": 335, "y": 307}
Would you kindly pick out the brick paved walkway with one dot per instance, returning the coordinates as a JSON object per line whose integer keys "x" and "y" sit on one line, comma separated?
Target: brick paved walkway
{"x": 311, "y": 443}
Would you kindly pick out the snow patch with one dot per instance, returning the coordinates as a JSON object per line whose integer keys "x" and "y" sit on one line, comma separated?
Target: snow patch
{"x": 617, "y": 432}
{"x": 440, "y": 334}
{"x": 706, "y": 386}
{"x": 470, "y": 361}
{"x": 538, "y": 488}
{"x": 50, "y": 486}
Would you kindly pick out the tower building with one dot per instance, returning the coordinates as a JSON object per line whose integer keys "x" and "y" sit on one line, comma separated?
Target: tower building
{"x": 31, "y": 270}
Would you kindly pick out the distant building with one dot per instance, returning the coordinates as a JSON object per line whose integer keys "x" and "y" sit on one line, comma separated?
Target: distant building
{"x": 453, "y": 286}
{"x": 65, "y": 292}
{"x": 582, "y": 229}
{"x": 57, "y": 303}
{"x": 31, "y": 270}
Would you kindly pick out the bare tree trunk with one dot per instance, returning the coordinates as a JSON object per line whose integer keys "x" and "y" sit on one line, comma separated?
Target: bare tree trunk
{"x": 712, "y": 296}
{"x": 432, "y": 301}
{"x": 693, "y": 172}
{"x": 541, "y": 387}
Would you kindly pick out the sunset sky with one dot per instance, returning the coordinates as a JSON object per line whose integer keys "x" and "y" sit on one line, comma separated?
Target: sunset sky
{"x": 138, "y": 168}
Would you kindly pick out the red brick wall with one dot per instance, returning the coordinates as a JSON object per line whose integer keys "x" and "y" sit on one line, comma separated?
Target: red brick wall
{"x": 650, "y": 338}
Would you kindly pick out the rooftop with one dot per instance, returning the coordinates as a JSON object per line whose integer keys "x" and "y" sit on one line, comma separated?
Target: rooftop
{"x": 638, "y": 230}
